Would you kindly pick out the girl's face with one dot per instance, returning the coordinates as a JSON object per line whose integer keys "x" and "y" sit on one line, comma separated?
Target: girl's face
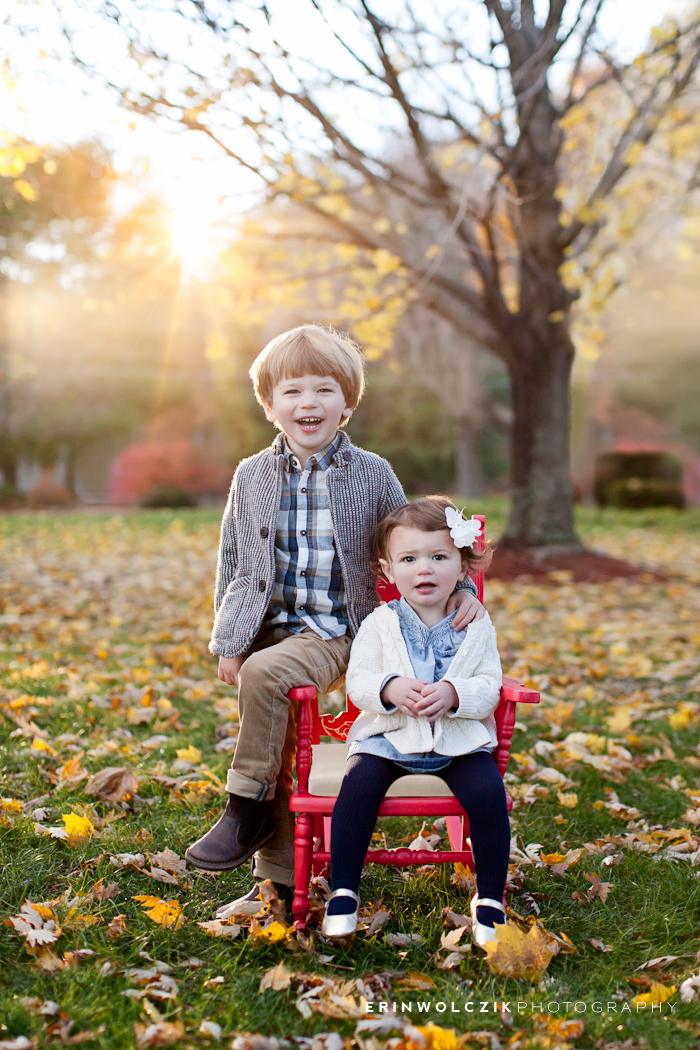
{"x": 424, "y": 566}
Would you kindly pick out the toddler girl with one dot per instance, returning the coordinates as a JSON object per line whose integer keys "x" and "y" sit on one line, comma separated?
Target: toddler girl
{"x": 427, "y": 694}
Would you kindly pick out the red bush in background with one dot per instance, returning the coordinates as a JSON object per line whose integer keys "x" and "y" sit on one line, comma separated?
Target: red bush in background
{"x": 148, "y": 465}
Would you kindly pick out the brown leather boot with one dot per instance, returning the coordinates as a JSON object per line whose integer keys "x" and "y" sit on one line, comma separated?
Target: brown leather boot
{"x": 241, "y": 830}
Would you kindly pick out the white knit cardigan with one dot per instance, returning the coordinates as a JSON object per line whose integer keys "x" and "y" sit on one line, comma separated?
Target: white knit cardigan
{"x": 475, "y": 672}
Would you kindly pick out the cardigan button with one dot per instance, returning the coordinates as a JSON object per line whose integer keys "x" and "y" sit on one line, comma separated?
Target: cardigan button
{"x": 264, "y": 532}
{"x": 262, "y": 585}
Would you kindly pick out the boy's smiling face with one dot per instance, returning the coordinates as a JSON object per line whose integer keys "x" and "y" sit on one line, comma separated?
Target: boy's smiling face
{"x": 309, "y": 409}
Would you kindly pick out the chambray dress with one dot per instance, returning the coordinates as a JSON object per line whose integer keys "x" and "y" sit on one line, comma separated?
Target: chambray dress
{"x": 431, "y": 650}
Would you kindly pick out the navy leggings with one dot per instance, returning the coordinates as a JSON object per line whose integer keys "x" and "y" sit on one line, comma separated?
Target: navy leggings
{"x": 476, "y": 783}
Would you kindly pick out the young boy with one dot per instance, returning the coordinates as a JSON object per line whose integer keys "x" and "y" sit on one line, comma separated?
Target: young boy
{"x": 293, "y": 583}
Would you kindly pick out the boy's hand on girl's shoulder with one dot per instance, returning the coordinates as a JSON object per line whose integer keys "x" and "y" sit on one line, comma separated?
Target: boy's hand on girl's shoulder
{"x": 436, "y": 700}
{"x": 404, "y": 694}
{"x": 229, "y": 666}
{"x": 468, "y": 608}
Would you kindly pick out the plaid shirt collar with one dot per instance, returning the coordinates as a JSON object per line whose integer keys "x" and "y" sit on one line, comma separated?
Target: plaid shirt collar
{"x": 322, "y": 459}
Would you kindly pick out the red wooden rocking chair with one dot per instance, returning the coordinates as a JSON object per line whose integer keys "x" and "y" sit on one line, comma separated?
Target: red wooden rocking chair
{"x": 320, "y": 770}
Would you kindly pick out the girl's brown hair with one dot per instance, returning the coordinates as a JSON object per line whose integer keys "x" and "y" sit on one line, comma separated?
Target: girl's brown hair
{"x": 428, "y": 515}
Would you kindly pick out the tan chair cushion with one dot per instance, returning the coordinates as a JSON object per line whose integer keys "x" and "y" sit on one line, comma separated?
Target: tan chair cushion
{"x": 329, "y": 765}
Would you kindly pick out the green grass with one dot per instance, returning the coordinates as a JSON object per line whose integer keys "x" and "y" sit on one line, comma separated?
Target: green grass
{"x": 653, "y": 908}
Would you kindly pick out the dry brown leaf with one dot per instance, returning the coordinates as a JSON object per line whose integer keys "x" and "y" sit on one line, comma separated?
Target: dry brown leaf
{"x": 169, "y": 861}
{"x": 377, "y": 921}
{"x": 121, "y": 861}
{"x": 159, "y": 875}
{"x": 601, "y": 889}
{"x": 450, "y": 941}
{"x": 276, "y": 979}
{"x": 103, "y": 893}
{"x": 46, "y": 959}
{"x": 518, "y": 954}
{"x": 450, "y": 962}
{"x": 113, "y": 784}
{"x": 416, "y": 982}
{"x": 454, "y": 918}
{"x": 601, "y": 945}
{"x": 163, "y": 1033}
{"x": 116, "y": 927}
{"x": 220, "y": 928}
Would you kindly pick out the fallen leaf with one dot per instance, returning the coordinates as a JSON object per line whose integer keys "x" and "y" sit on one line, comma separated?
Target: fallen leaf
{"x": 138, "y": 716}
{"x": 601, "y": 945}
{"x": 417, "y": 982}
{"x": 276, "y": 979}
{"x": 210, "y": 1029}
{"x": 377, "y": 921}
{"x": 103, "y": 893}
{"x": 453, "y": 918}
{"x": 658, "y": 993}
{"x": 78, "y": 829}
{"x": 220, "y": 928}
{"x": 601, "y": 889}
{"x": 113, "y": 784}
{"x": 164, "y": 913}
{"x": 450, "y": 962}
{"x": 161, "y": 1034}
{"x": 654, "y": 964}
{"x": 170, "y": 861}
{"x": 402, "y": 940}
{"x": 128, "y": 860}
{"x": 276, "y": 931}
{"x": 518, "y": 954}
{"x": 116, "y": 927}
{"x": 568, "y": 799}
{"x": 189, "y": 754}
{"x": 689, "y": 988}
{"x": 450, "y": 941}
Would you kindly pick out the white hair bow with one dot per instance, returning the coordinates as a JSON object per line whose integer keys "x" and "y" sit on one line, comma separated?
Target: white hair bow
{"x": 463, "y": 532}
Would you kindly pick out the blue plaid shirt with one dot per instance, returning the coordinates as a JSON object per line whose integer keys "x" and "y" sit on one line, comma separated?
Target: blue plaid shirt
{"x": 308, "y": 590}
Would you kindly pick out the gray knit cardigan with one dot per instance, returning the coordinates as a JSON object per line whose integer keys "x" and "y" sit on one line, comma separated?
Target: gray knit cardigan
{"x": 362, "y": 489}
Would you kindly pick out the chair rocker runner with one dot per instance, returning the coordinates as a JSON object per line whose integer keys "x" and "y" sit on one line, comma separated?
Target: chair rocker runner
{"x": 320, "y": 768}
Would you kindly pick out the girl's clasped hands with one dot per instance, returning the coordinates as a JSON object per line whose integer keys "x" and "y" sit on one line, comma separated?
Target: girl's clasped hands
{"x": 417, "y": 699}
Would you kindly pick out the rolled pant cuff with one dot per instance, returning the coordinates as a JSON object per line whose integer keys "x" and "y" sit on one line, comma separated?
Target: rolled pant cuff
{"x": 265, "y": 869}
{"x": 238, "y": 784}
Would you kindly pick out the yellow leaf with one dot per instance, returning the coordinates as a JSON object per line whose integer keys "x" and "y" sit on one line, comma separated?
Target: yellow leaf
{"x": 10, "y": 805}
{"x": 619, "y": 720}
{"x": 568, "y": 799}
{"x": 189, "y": 754}
{"x": 658, "y": 993}
{"x": 275, "y": 932}
{"x": 432, "y": 251}
{"x": 441, "y": 1038}
{"x": 164, "y": 913}
{"x": 72, "y": 768}
{"x": 78, "y": 828}
{"x": 552, "y": 858}
{"x": 556, "y": 316}
{"x": 417, "y": 982}
{"x": 518, "y": 954}
{"x": 40, "y": 745}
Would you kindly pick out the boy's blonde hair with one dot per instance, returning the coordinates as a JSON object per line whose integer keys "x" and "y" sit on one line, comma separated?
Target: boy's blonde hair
{"x": 310, "y": 350}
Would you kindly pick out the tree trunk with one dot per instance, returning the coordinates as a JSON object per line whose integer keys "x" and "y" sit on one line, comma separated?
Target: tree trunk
{"x": 469, "y": 480}
{"x": 542, "y": 508}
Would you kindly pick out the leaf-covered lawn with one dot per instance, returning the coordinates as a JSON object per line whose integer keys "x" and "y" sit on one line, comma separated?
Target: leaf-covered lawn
{"x": 107, "y": 938}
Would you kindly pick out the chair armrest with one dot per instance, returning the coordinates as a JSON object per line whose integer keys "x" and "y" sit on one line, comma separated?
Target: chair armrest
{"x": 513, "y": 690}
{"x": 308, "y": 727}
